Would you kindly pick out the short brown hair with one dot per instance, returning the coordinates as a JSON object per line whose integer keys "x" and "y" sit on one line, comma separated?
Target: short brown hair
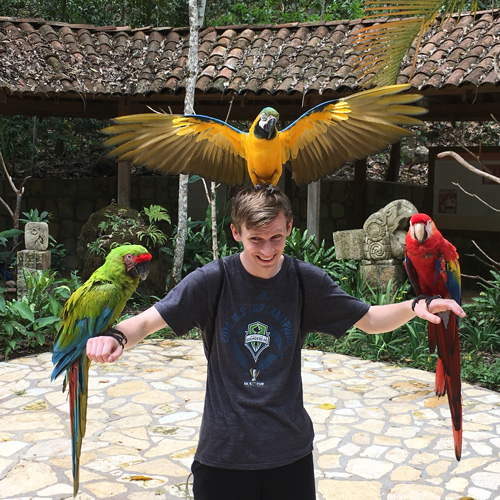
{"x": 258, "y": 207}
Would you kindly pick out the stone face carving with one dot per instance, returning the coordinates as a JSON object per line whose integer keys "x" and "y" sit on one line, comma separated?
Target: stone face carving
{"x": 380, "y": 245}
{"x": 385, "y": 231}
{"x": 36, "y": 236}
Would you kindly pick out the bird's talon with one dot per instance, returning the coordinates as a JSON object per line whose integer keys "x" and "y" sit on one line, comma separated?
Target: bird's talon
{"x": 416, "y": 300}
{"x": 428, "y": 300}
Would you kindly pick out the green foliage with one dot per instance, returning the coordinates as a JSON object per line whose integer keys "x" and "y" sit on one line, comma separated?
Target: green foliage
{"x": 33, "y": 321}
{"x": 480, "y": 329}
{"x": 38, "y": 148}
{"x": 7, "y": 261}
{"x": 121, "y": 227}
{"x": 116, "y": 226}
{"x": 477, "y": 369}
{"x": 137, "y": 13}
{"x": 345, "y": 272}
{"x": 230, "y": 12}
{"x": 153, "y": 235}
{"x": 198, "y": 249}
{"x": 34, "y": 216}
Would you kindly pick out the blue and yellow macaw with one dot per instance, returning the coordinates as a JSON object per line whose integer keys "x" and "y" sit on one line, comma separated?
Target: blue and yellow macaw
{"x": 89, "y": 312}
{"x": 432, "y": 266}
{"x": 314, "y": 146}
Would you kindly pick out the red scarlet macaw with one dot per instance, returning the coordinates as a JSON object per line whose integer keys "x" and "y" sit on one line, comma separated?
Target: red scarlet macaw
{"x": 433, "y": 268}
{"x": 89, "y": 312}
{"x": 315, "y": 145}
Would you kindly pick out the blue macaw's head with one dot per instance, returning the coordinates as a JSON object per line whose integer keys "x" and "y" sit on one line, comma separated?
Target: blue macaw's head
{"x": 268, "y": 120}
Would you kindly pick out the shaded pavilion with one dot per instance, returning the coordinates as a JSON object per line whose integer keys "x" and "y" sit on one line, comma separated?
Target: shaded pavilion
{"x": 67, "y": 70}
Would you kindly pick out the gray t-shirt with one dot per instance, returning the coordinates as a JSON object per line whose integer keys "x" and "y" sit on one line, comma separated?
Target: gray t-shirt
{"x": 254, "y": 416}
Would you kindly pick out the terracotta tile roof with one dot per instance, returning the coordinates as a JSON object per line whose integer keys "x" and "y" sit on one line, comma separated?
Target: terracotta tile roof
{"x": 50, "y": 59}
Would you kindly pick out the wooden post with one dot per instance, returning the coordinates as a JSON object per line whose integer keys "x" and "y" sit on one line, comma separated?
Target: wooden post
{"x": 313, "y": 209}
{"x": 359, "y": 193}
{"x": 124, "y": 183}
{"x": 123, "y": 173}
{"x": 395, "y": 159}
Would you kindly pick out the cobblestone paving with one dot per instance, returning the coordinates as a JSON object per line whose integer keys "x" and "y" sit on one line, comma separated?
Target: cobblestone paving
{"x": 380, "y": 431}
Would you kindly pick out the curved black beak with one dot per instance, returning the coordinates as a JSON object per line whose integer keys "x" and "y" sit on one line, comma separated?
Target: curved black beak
{"x": 141, "y": 270}
{"x": 270, "y": 126}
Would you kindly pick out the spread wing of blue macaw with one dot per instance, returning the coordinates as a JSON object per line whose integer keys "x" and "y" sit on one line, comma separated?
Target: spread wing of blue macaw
{"x": 89, "y": 312}
{"x": 433, "y": 269}
{"x": 314, "y": 146}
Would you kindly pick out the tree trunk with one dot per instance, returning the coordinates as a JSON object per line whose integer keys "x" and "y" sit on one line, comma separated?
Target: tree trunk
{"x": 194, "y": 24}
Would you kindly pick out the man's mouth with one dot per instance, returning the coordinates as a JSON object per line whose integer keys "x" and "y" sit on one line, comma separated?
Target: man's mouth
{"x": 267, "y": 260}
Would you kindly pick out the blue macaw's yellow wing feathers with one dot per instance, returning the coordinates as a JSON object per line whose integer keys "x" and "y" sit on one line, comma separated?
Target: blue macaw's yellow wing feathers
{"x": 315, "y": 145}
{"x": 175, "y": 144}
{"x": 336, "y": 132}
{"x": 90, "y": 311}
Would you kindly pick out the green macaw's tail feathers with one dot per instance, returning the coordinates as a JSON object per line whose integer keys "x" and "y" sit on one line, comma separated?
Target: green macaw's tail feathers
{"x": 78, "y": 376}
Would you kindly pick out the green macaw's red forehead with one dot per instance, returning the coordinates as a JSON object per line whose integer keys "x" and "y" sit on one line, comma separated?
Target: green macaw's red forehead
{"x": 143, "y": 258}
{"x": 420, "y": 219}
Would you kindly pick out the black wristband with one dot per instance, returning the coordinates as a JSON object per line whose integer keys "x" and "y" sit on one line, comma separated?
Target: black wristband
{"x": 117, "y": 335}
{"x": 416, "y": 300}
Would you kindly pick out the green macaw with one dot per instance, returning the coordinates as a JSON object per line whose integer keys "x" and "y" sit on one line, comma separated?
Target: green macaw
{"x": 89, "y": 312}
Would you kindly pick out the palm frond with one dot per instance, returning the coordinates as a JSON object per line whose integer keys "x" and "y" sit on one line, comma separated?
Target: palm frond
{"x": 382, "y": 46}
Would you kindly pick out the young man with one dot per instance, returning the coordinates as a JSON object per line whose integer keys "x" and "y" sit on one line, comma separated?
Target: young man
{"x": 255, "y": 311}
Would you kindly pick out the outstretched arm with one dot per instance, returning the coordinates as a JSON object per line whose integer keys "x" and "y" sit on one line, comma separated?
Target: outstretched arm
{"x": 106, "y": 349}
{"x": 381, "y": 319}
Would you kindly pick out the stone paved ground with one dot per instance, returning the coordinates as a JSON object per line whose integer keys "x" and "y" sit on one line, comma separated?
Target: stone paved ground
{"x": 380, "y": 432}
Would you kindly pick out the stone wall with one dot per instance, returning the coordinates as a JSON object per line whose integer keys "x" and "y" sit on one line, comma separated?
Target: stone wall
{"x": 338, "y": 203}
{"x": 72, "y": 201}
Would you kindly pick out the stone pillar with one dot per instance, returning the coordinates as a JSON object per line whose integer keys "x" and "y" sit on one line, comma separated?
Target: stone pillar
{"x": 378, "y": 273}
{"x": 36, "y": 256}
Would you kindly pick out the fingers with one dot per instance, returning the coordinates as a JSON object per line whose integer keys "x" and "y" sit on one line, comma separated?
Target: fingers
{"x": 441, "y": 305}
{"x": 103, "y": 349}
{"x": 429, "y": 312}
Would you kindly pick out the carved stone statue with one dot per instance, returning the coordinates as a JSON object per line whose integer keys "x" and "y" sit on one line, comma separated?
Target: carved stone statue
{"x": 380, "y": 245}
{"x": 36, "y": 236}
{"x": 385, "y": 231}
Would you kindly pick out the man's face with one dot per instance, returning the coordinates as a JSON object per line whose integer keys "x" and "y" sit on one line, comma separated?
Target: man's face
{"x": 263, "y": 246}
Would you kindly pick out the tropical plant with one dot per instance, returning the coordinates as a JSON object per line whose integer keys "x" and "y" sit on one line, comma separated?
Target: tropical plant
{"x": 153, "y": 235}
{"x": 33, "y": 320}
{"x": 480, "y": 329}
{"x": 198, "y": 248}
{"x": 34, "y": 216}
{"x": 384, "y": 45}
{"x": 345, "y": 272}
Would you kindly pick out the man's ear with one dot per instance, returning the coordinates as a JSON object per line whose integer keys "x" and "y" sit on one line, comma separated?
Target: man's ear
{"x": 236, "y": 234}
{"x": 289, "y": 228}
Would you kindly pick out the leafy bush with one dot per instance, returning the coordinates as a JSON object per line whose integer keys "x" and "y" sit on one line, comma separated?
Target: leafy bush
{"x": 198, "y": 249}
{"x": 480, "y": 329}
{"x": 153, "y": 235}
{"x": 344, "y": 272}
{"x": 33, "y": 321}
{"x": 7, "y": 255}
